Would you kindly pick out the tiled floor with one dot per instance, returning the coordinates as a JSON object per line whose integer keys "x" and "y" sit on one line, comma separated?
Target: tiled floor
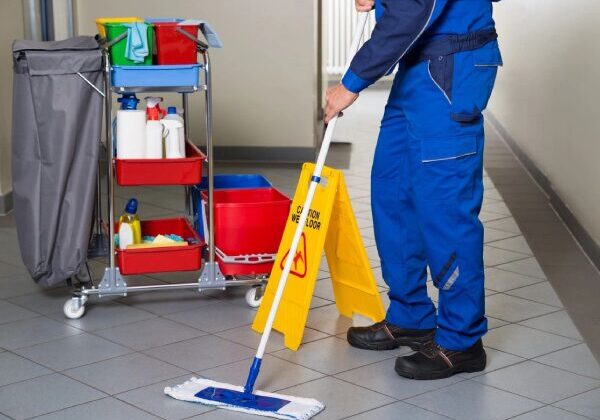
{"x": 114, "y": 362}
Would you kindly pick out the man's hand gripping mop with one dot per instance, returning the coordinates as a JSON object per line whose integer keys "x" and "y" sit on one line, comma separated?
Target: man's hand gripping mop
{"x": 246, "y": 399}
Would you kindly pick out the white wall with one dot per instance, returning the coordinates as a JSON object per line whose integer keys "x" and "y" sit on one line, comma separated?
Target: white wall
{"x": 265, "y": 78}
{"x": 11, "y": 24}
{"x": 547, "y": 95}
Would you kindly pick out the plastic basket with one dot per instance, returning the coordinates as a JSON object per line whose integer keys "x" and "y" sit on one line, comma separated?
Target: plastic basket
{"x": 156, "y": 76}
{"x": 185, "y": 171}
{"x": 100, "y": 22}
{"x": 248, "y": 221}
{"x": 117, "y": 51}
{"x": 221, "y": 182}
{"x": 163, "y": 259}
{"x": 172, "y": 47}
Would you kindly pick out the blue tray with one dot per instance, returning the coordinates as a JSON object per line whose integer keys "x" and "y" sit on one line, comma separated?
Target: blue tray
{"x": 174, "y": 76}
{"x": 224, "y": 182}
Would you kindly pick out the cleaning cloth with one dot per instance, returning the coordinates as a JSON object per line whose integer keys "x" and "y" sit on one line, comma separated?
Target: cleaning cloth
{"x": 136, "y": 49}
{"x": 209, "y": 33}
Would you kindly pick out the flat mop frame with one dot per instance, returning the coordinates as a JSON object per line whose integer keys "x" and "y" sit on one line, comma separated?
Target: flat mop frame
{"x": 246, "y": 399}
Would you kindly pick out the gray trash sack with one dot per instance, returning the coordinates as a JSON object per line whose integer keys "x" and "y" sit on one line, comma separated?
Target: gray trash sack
{"x": 56, "y": 127}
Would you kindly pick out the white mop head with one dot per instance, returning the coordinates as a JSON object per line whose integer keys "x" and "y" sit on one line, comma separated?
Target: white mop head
{"x": 297, "y": 408}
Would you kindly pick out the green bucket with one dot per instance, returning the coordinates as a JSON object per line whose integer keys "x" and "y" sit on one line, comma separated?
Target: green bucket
{"x": 117, "y": 51}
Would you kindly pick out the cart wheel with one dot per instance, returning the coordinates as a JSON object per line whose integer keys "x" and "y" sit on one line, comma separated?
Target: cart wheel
{"x": 74, "y": 308}
{"x": 254, "y": 296}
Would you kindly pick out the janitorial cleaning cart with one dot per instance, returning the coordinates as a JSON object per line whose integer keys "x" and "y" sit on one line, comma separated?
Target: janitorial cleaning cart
{"x": 160, "y": 55}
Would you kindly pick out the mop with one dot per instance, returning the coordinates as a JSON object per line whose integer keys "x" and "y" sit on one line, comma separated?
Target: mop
{"x": 246, "y": 399}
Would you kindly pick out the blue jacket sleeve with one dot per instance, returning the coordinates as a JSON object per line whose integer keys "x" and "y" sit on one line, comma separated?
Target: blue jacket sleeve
{"x": 399, "y": 26}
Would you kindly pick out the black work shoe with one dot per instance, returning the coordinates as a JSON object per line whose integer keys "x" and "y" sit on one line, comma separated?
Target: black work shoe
{"x": 385, "y": 336}
{"x": 436, "y": 362}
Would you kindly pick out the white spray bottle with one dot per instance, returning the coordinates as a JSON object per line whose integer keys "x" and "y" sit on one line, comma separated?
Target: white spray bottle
{"x": 154, "y": 128}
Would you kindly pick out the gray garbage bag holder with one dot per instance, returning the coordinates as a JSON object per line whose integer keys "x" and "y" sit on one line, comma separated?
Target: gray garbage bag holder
{"x": 56, "y": 127}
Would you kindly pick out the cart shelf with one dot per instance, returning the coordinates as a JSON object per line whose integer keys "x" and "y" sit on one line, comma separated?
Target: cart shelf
{"x": 184, "y": 171}
{"x": 174, "y": 78}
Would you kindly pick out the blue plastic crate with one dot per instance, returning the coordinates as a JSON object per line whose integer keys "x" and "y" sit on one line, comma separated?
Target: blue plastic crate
{"x": 224, "y": 182}
{"x": 186, "y": 75}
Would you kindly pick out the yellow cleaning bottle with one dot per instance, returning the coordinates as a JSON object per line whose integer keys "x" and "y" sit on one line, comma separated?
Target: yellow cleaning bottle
{"x": 130, "y": 229}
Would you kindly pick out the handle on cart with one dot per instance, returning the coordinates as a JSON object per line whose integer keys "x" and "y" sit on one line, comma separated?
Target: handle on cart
{"x": 202, "y": 46}
{"x": 316, "y": 178}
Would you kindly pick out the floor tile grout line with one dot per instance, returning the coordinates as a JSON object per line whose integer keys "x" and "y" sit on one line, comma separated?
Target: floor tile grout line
{"x": 518, "y": 287}
{"x": 580, "y": 340}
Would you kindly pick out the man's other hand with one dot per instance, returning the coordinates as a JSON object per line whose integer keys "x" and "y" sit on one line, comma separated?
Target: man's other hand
{"x": 364, "y": 5}
{"x": 337, "y": 99}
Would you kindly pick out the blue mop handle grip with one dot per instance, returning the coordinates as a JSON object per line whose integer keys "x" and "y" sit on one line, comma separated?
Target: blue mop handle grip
{"x": 252, "y": 375}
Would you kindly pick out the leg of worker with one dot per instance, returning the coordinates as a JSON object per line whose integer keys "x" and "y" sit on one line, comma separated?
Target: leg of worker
{"x": 446, "y": 148}
{"x": 398, "y": 239}
{"x": 411, "y": 317}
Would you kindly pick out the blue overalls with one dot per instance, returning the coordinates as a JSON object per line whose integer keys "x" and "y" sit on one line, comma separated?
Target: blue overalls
{"x": 426, "y": 180}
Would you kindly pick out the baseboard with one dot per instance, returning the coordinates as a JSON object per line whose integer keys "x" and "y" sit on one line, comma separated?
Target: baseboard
{"x": 585, "y": 240}
{"x": 264, "y": 154}
{"x": 6, "y": 203}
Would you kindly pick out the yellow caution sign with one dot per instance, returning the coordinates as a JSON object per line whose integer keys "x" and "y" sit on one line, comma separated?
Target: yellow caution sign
{"x": 330, "y": 226}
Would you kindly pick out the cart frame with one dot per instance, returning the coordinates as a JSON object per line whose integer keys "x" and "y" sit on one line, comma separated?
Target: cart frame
{"x": 211, "y": 277}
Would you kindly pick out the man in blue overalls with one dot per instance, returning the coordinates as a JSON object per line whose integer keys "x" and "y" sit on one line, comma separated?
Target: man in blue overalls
{"x": 426, "y": 180}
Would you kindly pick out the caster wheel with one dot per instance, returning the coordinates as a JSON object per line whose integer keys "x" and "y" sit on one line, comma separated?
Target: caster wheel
{"x": 73, "y": 309}
{"x": 254, "y": 297}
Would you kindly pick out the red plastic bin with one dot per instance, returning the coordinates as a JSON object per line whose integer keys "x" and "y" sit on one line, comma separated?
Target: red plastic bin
{"x": 163, "y": 259}
{"x": 248, "y": 221}
{"x": 185, "y": 171}
{"x": 172, "y": 47}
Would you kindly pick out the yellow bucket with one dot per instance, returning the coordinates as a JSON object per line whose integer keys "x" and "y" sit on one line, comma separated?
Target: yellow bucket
{"x": 101, "y": 21}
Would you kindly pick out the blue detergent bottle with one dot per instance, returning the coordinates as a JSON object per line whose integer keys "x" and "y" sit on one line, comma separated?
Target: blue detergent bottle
{"x": 128, "y": 101}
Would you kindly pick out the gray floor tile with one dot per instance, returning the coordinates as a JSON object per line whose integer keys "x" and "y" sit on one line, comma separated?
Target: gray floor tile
{"x": 250, "y": 338}
{"x": 44, "y": 302}
{"x": 33, "y": 331}
{"x": 17, "y": 285}
{"x": 498, "y": 207}
{"x": 490, "y": 234}
{"x": 549, "y": 413}
{"x": 514, "y": 309}
{"x": 275, "y": 374}
{"x": 381, "y": 377}
{"x": 541, "y": 292}
{"x": 527, "y": 267}
{"x": 327, "y": 319}
{"x": 202, "y": 353}
{"x": 495, "y": 360}
{"x": 538, "y": 382}
{"x": 107, "y": 408}
{"x": 100, "y": 315}
{"x": 331, "y": 355}
{"x": 471, "y": 400}
{"x": 507, "y": 224}
{"x": 586, "y": 404}
{"x": 167, "y": 302}
{"x": 215, "y": 317}
{"x": 76, "y": 350}
{"x": 43, "y": 395}
{"x": 496, "y": 256}
{"x": 516, "y": 244}
{"x": 525, "y": 342}
{"x": 495, "y": 322}
{"x": 488, "y": 216}
{"x": 152, "y": 399}
{"x": 8, "y": 269}
{"x": 123, "y": 373}
{"x": 15, "y": 369}
{"x": 10, "y": 313}
{"x": 577, "y": 359}
{"x": 501, "y": 280}
{"x": 557, "y": 323}
{"x": 340, "y": 398}
{"x": 149, "y": 333}
{"x": 398, "y": 411}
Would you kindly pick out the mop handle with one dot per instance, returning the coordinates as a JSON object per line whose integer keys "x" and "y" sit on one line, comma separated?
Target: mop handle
{"x": 316, "y": 177}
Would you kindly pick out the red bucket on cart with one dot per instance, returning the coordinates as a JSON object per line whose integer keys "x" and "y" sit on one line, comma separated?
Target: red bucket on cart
{"x": 163, "y": 259}
{"x": 173, "y": 47}
{"x": 249, "y": 224}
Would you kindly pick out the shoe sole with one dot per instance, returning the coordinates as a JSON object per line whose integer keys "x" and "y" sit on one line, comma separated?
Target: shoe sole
{"x": 415, "y": 345}
{"x": 473, "y": 366}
